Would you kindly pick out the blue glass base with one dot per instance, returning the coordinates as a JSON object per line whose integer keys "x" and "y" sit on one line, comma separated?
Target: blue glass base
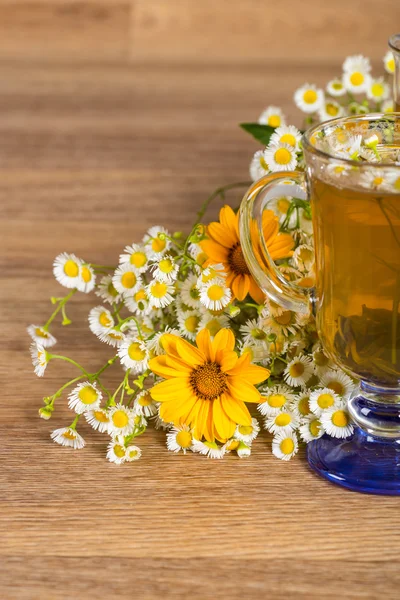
{"x": 362, "y": 462}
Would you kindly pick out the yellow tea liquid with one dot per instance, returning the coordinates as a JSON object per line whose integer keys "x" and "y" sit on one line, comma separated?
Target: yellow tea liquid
{"x": 357, "y": 239}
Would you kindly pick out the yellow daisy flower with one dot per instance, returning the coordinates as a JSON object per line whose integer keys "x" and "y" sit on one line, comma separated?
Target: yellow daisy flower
{"x": 206, "y": 386}
{"x": 223, "y": 246}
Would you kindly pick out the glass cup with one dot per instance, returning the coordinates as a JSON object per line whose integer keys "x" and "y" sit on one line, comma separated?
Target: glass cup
{"x": 356, "y": 298}
{"x": 394, "y": 44}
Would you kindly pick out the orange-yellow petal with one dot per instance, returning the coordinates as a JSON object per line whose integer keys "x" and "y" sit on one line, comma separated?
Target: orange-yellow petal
{"x": 188, "y": 353}
{"x": 236, "y": 410}
{"x": 203, "y": 341}
{"x": 171, "y": 389}
{"x": 252, "y": 373}
{"x": 230, "y": 220}
{"x": 222, "y": 235}
{"x": 242, "y": 390}
{"x": 160, "y": 366}
{"x": 224, "y": 426}
{"x": 228, "y": 361}
{"x": 256, "y": 293}
{"x": 224, "y": 341}
{"x": 215, "y": 251}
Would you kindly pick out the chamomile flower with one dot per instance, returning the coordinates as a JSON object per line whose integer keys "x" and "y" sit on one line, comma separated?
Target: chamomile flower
{"x": 388, "y": 106}
{"x": 335, "y": 88}
{"x": 85, "y": 396}
{"x": 389, "y": 63}
{"x": 160, "y": 294}
{"x": 253, "y": 332}
{"x": 258, "y": 166}
{"x": 281, "y": 157}
{"x": 322, "y": 399}
{"x": 285, "y": 445}
{"x": 209, "y": 449}
{"x": 350, "y": 148}
{"x": 257, "y": 353}
{"x": 66, "y": 436}
{"x": 87, "y": 279}
{"x": 112, "y": 336}
{"x": 304, "y": 257}
{"x": 280, "y": 205}
{"x": 336, "y": 422}
{"x": 298, "y": 371}
{"x": 337, "y": 170}
{"x": 41, "y": 336}
{"x": 231, "y": 445}
{"x": 286, "y": 134}
{"x": 215, "y": 295}
{"x": 166, "y": 269}
{"x": 330, "y": 109}
{"x": 272, "y": 308}
{"x": 284, "y": 420}
{"x": 356, "y": 76}
{"x": 156, "y": 242}
{"x": 301, "y": 405}
{"x": 378, "y": 90}
{"x": 375, "y": 179}
{"x": 106, "y": 290}
{"x": 126, "y": 278}
{"x": 272, "y": 116}
{"x": 116, "y": 451}
{"x": 98, "y": 419}
{"x": 310, "y": 429}
{"x": 216, "y": 271}
{"x": 121, "y": 420}
{"x": 275, "y": 399}
{"x": 247, "y": 433}
{"x": 66, "y": 269}
{"x": 40, "y": 358}
{"x": 243, "y": 450}
{"x": 339, "y": 382}
{"x": 213, "y": 323}
{"x": 136, "y": 256}
{"x": 309, "y": 98}
{"x": 100, "y": 320}
{"x": 137, "y": 301}
{"x": 134, "y": 355}
{"x": 145, "y": 405}
{"x": 180, "y": 438}
{"x": 283, "y": 324}
{"x": 189, "y": 323}
{"x": 322, "y": 363}
{"x": 133, "y": 453}
{"x": 189, "y": 292}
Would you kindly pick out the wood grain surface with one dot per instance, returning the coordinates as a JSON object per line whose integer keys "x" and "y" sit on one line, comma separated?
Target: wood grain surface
{"x": 93, "y": 150}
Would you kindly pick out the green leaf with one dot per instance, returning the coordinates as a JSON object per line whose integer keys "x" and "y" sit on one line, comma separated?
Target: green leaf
{"x": 262, "y": 133}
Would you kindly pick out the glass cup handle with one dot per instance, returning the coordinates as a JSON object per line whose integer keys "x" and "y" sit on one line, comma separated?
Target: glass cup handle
{"x": 262, "y": 267}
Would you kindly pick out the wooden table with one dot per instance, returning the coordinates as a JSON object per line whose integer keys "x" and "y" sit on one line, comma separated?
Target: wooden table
{"x": 92, "y": 155}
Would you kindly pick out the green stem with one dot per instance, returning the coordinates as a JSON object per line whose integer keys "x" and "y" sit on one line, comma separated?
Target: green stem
{"x": 63, "y": 387}
{"x": 73, "y": 362}
{"x": 60, "y": 306}
{"x": 74, "y": 422}
{"x": 111, "y": 268}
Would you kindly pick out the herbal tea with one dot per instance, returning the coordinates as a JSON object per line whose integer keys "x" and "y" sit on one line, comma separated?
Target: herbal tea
{"x": 357, "y": 238}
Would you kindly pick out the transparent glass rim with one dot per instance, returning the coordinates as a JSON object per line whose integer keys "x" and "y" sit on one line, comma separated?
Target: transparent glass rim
{"x": 394, "y": 43}
{"x": 311, "y": 149}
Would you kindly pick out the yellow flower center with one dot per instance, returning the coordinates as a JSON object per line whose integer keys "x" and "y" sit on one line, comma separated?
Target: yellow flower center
{"x": 100, "y": 416}
{"x": 331, "y": 109}
{"x": 285, "y": 318}
{"x": 283, "y": 420}
{"x": 208, "y": 381}
{"x": 315, "y": 427}
{"x": 69, "y": 435}
{"x": 377, "y": 89}
{"x": 233, "y": 445}
{"x": 304, "y": 406}
{"x": 87, "y": 395}
{"x": 166, "y": 266}
{"x": 105, "y": 320}
{"x": 274, "y": 120}
{"x": 283, "y": 205}
{"x": 337, "y": 85}
{"x": 283, "y": 156}
{"x": 138, "y": 259}
{"x": 320, "y": 359}
{"x": 245, "y": 429}
{"x": 192, "y": 323}
{"x": 128, "y": 280}
{"x": 296, "y": 369}
{"x": 71, "y": 269}
{"x": 276, "y": 400}
{"x": 159, "y": 290}
{"x": 158, "y": 245}
{"x": 133, "y": 453}
{"x": 390, "y": 65}
{"x": 119, "y": 451}
{"x": 215, "y": 292}
{"x": 258, "y": 334}
{"x": 145, "y": 400}
{"x": 337, "y": 387}
{"x": 120, "y": 419}
{"x": 213, "y": 327}
{"x": 338, "y": 169}
{"x": 310, "y": 96}
{"x": 194, "y": 292}
{"x": 111, "y": 290}
{"x": 378, "y": 181}
{"x": 140, "y": 295}
{"x": 184, "y": 439}
{"x": 340, "y": 418}
{"x": 86, "y": 274}
{"x": 136, "y": 352}
{"x": 236, "y": 260}
{"x": 41, "y": 333}
{"x": 325, "y": 400}
{"x": 288, "y": 138}
{"x": 357, "y": 78}
{"x": 287, "y": 446}
{"x": 115, "y": 336}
